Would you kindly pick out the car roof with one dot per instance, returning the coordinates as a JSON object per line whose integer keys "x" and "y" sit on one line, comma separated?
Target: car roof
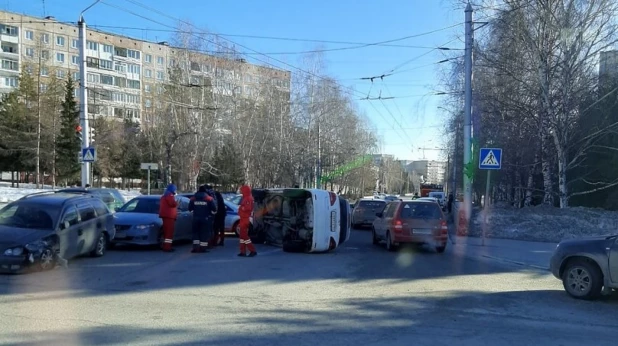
{"x": 57, "y": 198}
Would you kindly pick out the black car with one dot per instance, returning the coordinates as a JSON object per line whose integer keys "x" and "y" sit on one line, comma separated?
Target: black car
{"x": 38, "y": 228}
{"x": 111, "y": 197}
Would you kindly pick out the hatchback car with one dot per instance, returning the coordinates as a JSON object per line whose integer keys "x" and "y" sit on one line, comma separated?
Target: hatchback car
{"x": 138, "y": 223}
{"x": 365, "y": 211}
{"x": 38, "y": 228}
{"x": 417, "y": 222}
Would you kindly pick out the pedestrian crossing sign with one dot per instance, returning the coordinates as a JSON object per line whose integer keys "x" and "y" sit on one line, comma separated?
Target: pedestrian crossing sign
{"x": 490, "y": 158}
{"x": 89, "y": 155}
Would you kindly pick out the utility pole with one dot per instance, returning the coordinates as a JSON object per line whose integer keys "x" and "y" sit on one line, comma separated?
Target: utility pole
{"x": 467, "y": 124}
{"x": 38, "y": 129}
{"x": 83, "y": 93}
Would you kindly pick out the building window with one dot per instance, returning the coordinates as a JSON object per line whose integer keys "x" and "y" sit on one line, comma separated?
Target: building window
{"x": 76, "y": 92}
{"x": 44, "y": 54}
{"x": 108, "y": 48}
{"x": 148, "y": 58}
{"x": 75, "y": 75}
{"x": 160, "y": 60}
{"x": 74, "y": 59}
{"x": 94, "y": 78}
{"x": 121, "y": 68}
{"x": 10, "y": 30}
{"x": 60, "y": 74}
{"x": 92, "y": 45}
{"x": 147, "y": 88}
{"x": 133, "y": 69}
{"x": 133, "y": 54}
{"x": 30, "y": 52}
{"x": 133, "y": 84}
{"x": 118, "y": 112}
{"x": 92, "y": 62}
{"x": 105, "y": 79}
{"x": 11, "y": 82}
{"x": 29, "y": 35}
{"x": 75, "y": 43}
{"x": 10, "y": 65}
{"x": 60, "y": 41}
{"x": 106, "y": 64}
{"x": 60, "y": 57}
{"x": 44, "y": 71}
{"x": 132, "y": 113}
{"x": 160, "y": 75}
{"x": 43, "y": 87}
{"x": 120, "y": 82}
{"x": 45, "y": 38}
{"x": 148, "y": 103}
{"x": 148, "y": 73}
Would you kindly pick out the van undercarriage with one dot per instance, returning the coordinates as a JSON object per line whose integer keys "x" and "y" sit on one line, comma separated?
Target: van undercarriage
{"x": 285, "y": 218}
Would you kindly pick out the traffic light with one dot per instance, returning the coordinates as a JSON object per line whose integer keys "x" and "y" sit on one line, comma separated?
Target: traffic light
{"x": 78, "y": 133}
{"x": 92, "y": 133}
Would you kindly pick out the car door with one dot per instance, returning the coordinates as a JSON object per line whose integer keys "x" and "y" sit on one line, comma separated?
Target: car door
{"x": 613, "y": 261}
{"x": 105, "y": 219}
{"x": 88, "y": 231}
{"x": 379, "y": 224}
{"x": 67, "y": 233}
{"x": 183, "y": 221}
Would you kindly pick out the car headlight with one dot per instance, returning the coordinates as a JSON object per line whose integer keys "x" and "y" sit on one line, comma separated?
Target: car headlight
{"x": 16, "y": 251}
{"x": 143, "y": 226}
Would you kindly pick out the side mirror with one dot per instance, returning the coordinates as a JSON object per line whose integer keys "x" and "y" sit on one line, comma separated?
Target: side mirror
{"x": 379, "y": 214}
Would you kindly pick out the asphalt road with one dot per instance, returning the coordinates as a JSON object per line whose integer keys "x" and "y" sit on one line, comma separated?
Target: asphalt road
{"x": 358, "y": 295}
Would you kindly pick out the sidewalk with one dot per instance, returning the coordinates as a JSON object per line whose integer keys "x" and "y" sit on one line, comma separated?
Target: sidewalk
{"x": 523, "y": 253}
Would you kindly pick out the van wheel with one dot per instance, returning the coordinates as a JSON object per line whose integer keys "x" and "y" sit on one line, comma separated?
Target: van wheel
{"x": 101, "y": 246}
{"x": 375, "y": 240}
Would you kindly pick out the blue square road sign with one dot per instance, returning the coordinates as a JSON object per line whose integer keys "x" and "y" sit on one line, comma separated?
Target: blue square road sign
{"x": 89, "y": 155}
{"x": 490, "y": 158}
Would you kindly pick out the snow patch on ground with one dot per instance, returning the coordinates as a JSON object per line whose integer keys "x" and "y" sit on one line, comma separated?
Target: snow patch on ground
{"x": 9, "y": 194}
{"x": 545, "y": 224}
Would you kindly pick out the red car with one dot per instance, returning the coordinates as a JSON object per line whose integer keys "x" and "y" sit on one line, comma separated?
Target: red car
{"x": 415, "y": 222}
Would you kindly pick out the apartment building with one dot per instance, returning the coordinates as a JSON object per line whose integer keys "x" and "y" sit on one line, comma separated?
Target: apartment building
{"x": 126, "y": 76}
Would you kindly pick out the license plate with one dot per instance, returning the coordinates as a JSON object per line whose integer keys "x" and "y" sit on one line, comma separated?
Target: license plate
{"x": 422, "y": 231}
{"x": 120, "y": 235}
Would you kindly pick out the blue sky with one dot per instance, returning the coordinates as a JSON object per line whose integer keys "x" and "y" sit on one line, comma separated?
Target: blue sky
{"x": 404, "y": 124}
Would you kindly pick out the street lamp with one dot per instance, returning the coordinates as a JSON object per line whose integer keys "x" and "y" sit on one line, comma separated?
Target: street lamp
{"x": 83, "y": 93}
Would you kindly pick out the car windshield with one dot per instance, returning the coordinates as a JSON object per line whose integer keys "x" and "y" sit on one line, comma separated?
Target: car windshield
{"x": 28, "y": 216}
{"x": 421, "y": 211}
{"x": 141, "y": 205}
{"x": 371, "y": 205}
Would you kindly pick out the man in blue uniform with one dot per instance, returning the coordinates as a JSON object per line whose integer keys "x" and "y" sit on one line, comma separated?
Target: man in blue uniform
{"x": 204, "y": 209}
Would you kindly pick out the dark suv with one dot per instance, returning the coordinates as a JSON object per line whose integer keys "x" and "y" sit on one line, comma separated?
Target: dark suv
{"x": 38, "y": 228}
{"x": 111, "y": 197}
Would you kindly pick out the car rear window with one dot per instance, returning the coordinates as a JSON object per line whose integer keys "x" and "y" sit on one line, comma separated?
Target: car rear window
{"x": 421, "y": 210}
{"x": 371, "y": 204}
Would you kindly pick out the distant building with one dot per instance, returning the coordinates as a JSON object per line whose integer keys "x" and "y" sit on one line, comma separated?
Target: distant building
{"x": 431, "y": 172}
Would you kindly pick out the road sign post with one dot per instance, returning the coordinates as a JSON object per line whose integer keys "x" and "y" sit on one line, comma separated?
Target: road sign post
{"x": 489, "y": 159}
{"x": 149, "y": 167}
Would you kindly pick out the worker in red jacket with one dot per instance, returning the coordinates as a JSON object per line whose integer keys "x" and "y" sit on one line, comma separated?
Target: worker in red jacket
{"x": 168, "y": 213}
{"x": 245, "y": 211}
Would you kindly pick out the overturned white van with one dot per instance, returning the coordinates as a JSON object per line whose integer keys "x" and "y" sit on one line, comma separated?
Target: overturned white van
{"x": 301, "y": 220}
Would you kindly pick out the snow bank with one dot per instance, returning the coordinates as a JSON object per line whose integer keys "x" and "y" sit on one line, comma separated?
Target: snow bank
{"x": 9, "y": 194}
{"x": 545, "y": 224}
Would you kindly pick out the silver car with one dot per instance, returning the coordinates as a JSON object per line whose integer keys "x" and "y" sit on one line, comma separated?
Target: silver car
{"x": 138, "y": 223}
{"x": 232, "y": 219}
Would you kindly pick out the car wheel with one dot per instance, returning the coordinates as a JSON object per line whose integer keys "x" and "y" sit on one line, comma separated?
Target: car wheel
{"x": 101, "y": 247}
{"x": 389, "y": 242}
{"x": 46, "y": 261}
{"x": 582, "y": 279}
{"x": 375, "y": 240}
{"x": 441, "y": 248}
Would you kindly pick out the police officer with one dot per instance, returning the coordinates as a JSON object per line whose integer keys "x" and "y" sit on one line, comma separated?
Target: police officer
{"x": 204, "y": 208}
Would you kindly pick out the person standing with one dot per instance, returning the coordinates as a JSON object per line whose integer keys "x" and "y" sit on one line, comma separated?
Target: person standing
{"x": 245, "y": 211}
{"x": 168, "y": 213}
{"x": 204, "y": 208}
{"x": 218, "y": 237}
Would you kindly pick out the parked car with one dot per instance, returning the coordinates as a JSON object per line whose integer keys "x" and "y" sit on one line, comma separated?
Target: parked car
{"x": 364, "y": 211}
{"x": 232, "y": 219}
{"x": 587, "y": 266}
{"x": 35, "y": 229}
{"x": 416, "y": 222}
{"x": 111, "y": 197}
{"x": 138, "y": 223}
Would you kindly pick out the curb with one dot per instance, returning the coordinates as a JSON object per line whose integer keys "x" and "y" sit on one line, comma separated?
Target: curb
{"x": 523, "y": 264}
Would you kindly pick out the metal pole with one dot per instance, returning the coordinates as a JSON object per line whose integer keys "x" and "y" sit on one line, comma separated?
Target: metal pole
{"x": 486, "y": 206}
{"x": 318, "y": 167}
{"x": 83, "y": 98}
{"x": 467, "y": 125}
{"x": 149, "y": 180}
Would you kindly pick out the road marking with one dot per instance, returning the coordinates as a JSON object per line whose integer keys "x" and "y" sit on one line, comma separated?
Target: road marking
{"x": 516, "y": 262}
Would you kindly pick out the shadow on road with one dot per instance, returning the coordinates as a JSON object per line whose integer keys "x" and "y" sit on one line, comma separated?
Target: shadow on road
{"x": 130, "y": 271}
{"x": 434, "y": 318}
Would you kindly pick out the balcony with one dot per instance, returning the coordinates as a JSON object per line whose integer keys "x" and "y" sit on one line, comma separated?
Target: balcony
{"x": 9, "y": 49}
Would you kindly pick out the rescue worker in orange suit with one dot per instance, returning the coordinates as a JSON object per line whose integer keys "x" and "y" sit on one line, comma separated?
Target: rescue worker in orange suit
{"x": 204, "y": 209}
{"x": 168, "y": 213}
{"x": 218, "y": 237}
{"x": 244, "y": 211}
